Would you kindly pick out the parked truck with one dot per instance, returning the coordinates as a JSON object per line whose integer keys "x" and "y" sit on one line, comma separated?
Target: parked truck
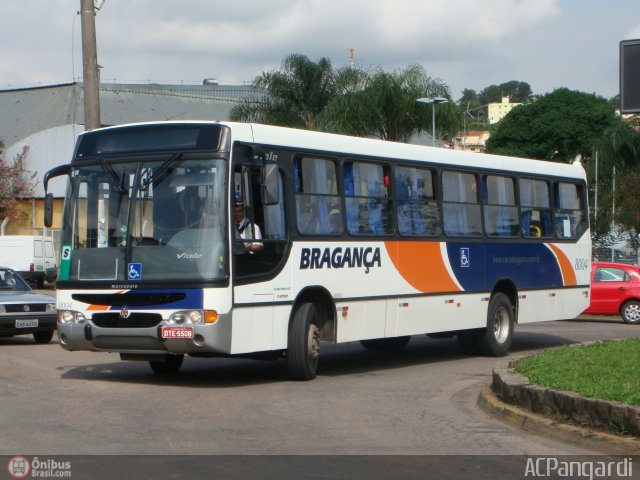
{"x": 32, "y": 256}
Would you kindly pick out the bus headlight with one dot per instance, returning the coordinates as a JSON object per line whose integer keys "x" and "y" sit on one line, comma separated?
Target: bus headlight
{"x": 187, "y": 317}
{"x": 70, "y": 316}
{"x": 193, "y": 317}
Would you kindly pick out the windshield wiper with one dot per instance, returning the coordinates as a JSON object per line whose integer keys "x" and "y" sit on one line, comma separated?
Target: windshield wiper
{"x": 117, "y": 181}
{"x": 161, "y": 173}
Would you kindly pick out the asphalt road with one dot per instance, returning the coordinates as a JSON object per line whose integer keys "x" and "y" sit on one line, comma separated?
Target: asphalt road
{"x": 419, "y": 402}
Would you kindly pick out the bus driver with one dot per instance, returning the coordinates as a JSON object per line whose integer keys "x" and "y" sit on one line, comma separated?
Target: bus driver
{"x": 245, "y": 229}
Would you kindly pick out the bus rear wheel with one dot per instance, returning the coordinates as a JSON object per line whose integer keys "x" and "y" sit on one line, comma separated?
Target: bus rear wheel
{"x": 495, "y": 340}
{"x": 170, "y": 365}
{"x": 303, "y": 349}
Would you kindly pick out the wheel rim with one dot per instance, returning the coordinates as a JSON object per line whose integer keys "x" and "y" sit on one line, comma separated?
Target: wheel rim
{"x": 632, "y": 312}
{"x": 313, "y": 342}
{"x": 501, "y": 325}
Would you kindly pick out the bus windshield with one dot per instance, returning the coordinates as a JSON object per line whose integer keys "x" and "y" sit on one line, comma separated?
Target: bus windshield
{"x": 160, "y": 220}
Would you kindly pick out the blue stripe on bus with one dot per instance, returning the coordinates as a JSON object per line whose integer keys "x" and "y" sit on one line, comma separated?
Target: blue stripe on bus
{"x": 478, "y": 266}
{"x": 193, "y": 300}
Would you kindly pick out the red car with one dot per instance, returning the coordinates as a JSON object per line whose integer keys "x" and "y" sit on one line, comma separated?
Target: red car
{"x": 615, "y": 290}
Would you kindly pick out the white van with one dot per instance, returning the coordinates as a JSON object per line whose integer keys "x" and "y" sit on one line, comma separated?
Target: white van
{"x": 33, "y": 257}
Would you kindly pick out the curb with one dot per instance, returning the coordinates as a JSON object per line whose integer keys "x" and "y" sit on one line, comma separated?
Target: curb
{"x": 524, "y": 419}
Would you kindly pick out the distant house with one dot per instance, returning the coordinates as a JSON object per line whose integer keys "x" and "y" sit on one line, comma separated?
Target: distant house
{"x": 47, "y": 120}
{"x": 471, "y": 140}
{"x": 497, "y": 111}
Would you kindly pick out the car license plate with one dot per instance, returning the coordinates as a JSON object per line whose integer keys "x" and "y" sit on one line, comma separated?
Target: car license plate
{"x": 26, "y": 323}
{"x": 177, "y": 332}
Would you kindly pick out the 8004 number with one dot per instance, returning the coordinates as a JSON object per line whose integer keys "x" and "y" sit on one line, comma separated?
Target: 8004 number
{"x": 581, "y": 264}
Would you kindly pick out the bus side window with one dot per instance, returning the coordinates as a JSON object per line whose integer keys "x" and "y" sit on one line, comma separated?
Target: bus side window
{"x": 461, "y": 210}
{"x": 500, "y": 210}
{"x": 318, "y": 209}
{"x": 569, "y": 215}
{"x": 368, "y": 205}
{"x": 535, "y": 211}
{"x": 417, "y": 211}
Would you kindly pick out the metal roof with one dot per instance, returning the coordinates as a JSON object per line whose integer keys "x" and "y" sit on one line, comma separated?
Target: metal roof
{"x": 24, "y": 112}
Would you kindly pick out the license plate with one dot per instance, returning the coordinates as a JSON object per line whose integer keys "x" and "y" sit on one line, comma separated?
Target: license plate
{"x": 26, "y": 323}
{"x": 177, "y": 332}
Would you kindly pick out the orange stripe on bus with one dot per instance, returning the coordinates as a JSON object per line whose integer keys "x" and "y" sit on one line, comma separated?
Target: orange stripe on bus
{"x": 98, "y": 307}
{"x": 568, "y": 274}
{"x": 422, "y": 266}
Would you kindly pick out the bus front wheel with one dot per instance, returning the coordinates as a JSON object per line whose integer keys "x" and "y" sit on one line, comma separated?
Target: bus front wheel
{"x": 495, "y": 340}
{"x": 303, "y": 349}
{"x": 169, "y": 365}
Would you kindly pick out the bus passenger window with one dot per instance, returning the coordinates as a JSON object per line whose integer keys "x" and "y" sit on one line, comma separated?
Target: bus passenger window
{"x": 417, "y": 210}
{"x": 569, "y": 214}
{"x": 500, "y": 210}
{"x": 318, "y": 208}
{"x": 535, "y": 211}
{"x": 367, "y": 199}
{"x": 461, "y": 210}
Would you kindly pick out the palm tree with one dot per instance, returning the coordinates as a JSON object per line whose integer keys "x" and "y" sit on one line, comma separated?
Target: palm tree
{"x": 383, "y": 105}
{"x": 294, "y": 96}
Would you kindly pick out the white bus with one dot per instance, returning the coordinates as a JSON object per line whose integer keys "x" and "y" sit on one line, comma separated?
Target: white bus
{"x": 354, "y": 240}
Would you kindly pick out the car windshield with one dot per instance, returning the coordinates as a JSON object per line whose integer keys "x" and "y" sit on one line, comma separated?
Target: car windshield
{"x": 158, "y": 220}
{"x": 10, "y": 280}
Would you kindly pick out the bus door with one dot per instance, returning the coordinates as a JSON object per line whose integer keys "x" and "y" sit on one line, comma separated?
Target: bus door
{"x": 259, "y": 244}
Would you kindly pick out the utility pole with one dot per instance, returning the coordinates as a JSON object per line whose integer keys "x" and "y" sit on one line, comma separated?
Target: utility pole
{"x": 90, "y": 66}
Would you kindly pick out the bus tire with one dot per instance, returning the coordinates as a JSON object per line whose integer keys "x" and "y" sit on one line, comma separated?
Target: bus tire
{"x": 495, "y": 340}
{"x": 303, "y": 347}
{"x": 170, "y": 365}
{"x": 394, "y": 344}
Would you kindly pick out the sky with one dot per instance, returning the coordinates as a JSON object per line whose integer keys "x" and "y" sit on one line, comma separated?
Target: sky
{"x": 465, "y": 43}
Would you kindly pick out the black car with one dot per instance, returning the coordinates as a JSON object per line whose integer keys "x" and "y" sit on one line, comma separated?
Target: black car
{"x": 23, "y": 311}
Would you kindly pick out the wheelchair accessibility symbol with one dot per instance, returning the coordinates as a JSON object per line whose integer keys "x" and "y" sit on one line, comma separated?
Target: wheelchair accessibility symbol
{"x": 135, "y": 271}
{"x": 464, "y": 257}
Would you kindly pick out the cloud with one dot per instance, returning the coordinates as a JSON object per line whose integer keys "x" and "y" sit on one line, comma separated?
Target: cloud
{"x": 468, "y": 44}
{"x": 236, "y": 43}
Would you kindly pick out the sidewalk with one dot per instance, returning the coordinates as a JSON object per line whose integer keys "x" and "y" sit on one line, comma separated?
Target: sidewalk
{"x": 513, "y": 399}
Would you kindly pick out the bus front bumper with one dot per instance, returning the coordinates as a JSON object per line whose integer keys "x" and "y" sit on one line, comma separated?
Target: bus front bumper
{"x": 203, "y": 339}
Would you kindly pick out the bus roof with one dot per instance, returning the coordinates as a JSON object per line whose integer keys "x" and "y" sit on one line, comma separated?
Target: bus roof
{"x": 382, "y": 149}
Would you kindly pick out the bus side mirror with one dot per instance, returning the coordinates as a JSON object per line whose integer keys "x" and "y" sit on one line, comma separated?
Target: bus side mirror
{"x": 270, "y": 184}
{"x": 48, "y": 210}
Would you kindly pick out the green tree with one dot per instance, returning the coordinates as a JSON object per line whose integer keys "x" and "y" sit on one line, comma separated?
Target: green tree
{"x": 15, "y": 183}
{"x": 558, "y": 126}
{"x": 384, "y": 105}
{"x": 469, "y": 99}
{"x": 518, "y": 92}
{"x": 294, "y": 95}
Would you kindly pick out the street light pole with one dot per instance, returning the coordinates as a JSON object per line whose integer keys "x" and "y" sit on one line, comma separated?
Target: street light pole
{"x": 433, "y": 101}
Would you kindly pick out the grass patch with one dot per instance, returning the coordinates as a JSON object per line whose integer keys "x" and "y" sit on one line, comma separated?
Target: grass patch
{"x": 607, "y": 370}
